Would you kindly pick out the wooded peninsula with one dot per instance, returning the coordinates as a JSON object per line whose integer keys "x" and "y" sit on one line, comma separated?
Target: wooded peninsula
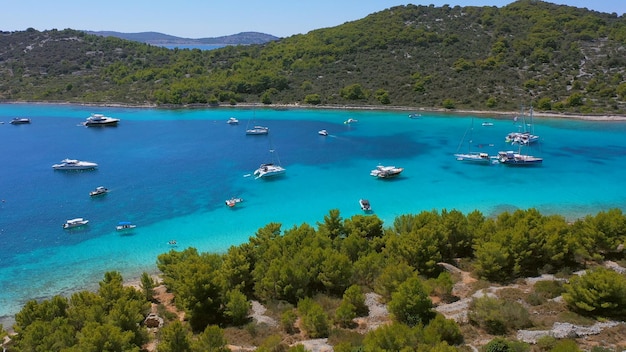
{"x": 557, "y": 58}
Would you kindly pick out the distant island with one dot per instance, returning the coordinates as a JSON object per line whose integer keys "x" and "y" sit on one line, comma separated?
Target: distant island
{"x": 156, "y": 38}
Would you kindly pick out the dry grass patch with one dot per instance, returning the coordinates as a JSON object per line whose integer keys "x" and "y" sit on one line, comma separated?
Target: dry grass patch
{"x": 574, "y": 318}
{"x": 339, "y": 336}
{"x": 511, "y": 294}
{"x": 545, "y": 315}
{"x": 613, "y": 339}
{"x": 478, "y": 285}
{"x": 251, "y": 334}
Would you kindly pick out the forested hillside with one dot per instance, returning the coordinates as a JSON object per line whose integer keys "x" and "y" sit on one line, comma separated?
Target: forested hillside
{"x": 558, "y": 58}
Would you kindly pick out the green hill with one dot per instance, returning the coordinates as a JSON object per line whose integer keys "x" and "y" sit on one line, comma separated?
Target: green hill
{"x": 558, "y": 58}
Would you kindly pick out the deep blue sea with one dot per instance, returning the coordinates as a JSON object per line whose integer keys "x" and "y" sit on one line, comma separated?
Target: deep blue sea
{"x": 170, "y": 171}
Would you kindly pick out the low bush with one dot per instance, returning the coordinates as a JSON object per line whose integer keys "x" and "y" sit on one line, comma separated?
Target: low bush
{"x": 497, "y": 317}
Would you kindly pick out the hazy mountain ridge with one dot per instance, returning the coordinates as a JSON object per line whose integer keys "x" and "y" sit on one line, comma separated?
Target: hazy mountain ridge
{"x": 243, "y": 38}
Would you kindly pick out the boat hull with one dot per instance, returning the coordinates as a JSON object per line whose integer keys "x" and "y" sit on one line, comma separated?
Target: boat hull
{"x": 522, "y": 163}
{"x": 101, "y": 124}
{"x": 74, "y": 167}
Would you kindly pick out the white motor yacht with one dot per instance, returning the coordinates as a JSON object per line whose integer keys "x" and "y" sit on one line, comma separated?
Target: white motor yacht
{"x": 73, "y": 164}
{"x": 232, "y": 121}
{"x": 20, "y": 121}
{"x": 101, "y": 120}
{"x": 99, "y": 191}
{"x": 322, "y": 133}
{"x": 386, "y": 171}
{"x": 77, "y": 222}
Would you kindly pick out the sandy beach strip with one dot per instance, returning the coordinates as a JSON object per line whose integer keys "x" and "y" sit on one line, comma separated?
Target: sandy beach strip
{"x": 410, "y": 109}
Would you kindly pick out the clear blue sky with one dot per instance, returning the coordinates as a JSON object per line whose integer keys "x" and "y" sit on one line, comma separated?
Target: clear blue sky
{"x": 207, "y": 18}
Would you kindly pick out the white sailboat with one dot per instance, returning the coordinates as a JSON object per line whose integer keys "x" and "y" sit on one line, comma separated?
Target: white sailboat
{"x": 525, "y": 135}
{"x": 256, "y": 130}
{"x": 517, "y": 158}
{"x": 472, "y": 156}
{"x": 272, "y": 168}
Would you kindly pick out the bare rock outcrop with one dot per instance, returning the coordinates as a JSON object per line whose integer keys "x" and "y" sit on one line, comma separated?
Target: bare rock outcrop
{"x": 565, "y": 331}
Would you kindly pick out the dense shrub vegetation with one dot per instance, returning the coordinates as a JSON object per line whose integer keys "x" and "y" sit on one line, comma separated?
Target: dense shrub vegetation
{"x": 558, "y": 58}
{"x": 341, "y": 259}
{"x": 107, "y": 320}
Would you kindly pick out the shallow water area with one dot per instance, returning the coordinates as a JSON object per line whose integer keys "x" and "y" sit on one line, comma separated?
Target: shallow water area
{"x": 170, "y": 172}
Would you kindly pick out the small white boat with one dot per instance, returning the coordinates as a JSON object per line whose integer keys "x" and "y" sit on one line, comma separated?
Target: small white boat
{"x": 365, "y": 205}
{"x": 98, "y": 191}
{"x": 232, "y": 121}
{"x": 415, "y": 116}
{"x": 257, "y": 130}
{"x": 487, "y": 123}
{"x": 101, "y": 120}
{"x": 74, "y": 164}
{"x": 73, "y": 223}
{"x": 233, "y": 201}
{"x": 20, "y": 121}
{"x": 350, "y": 120}
{"x": 386, "y": 171}
{"x": 322, "y": 133}
{"x": 125, "y": 225}
{"x": 172, "y": 242}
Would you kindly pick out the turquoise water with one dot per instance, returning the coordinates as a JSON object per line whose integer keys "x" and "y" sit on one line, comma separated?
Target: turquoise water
{"x": 170, "y": 171}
